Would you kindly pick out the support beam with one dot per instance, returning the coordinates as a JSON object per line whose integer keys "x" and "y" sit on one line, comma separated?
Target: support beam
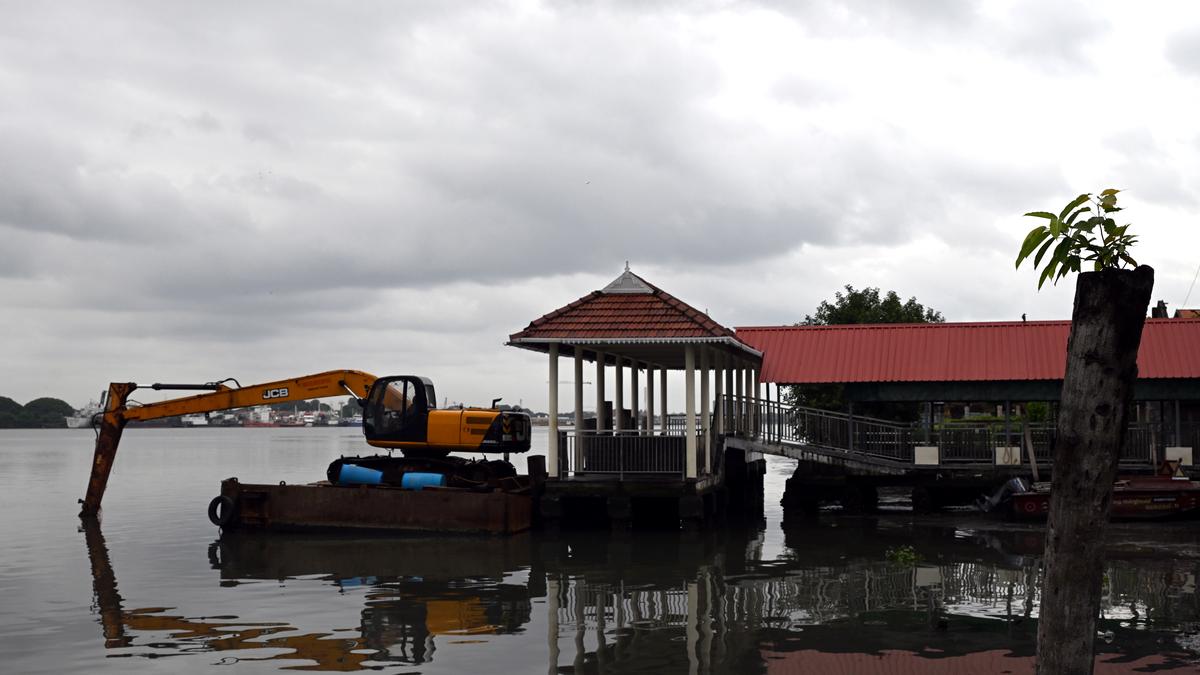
{"x": 719, "y": 391}
{"x": 662, "y": 374}
{"x": 730, "y": 425}
{"x": 756, "y": 420}
{"x": 650, "y": 397}
{"x": 689, "y": 389}
{"x": 552, "y": 410}
{"x": 619, "y": 395}
{"x": 634, "y": 367}
{"x": 739, "y": 393}
{"x": 601, "y": 423}
{"x": 578, "y": 459}
{"x": 705, "y": 422}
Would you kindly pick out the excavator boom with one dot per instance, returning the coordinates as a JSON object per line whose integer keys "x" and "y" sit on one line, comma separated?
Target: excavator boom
{"x": 118, "y": 413}
{"x": 399, "y": 413}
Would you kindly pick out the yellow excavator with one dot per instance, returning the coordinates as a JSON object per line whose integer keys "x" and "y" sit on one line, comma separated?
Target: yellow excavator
{"x": 399, "y": 413}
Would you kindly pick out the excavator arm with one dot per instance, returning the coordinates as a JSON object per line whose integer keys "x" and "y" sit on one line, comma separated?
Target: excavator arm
{"x": 118, "y": 412}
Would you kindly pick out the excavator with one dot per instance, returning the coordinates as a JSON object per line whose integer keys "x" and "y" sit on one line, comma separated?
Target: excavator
{"x": 399, "y": 413}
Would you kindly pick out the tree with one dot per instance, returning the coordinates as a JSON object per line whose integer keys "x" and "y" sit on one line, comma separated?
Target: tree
{"x": 865, "y": 306}
{"x": 858, "y": 307}
{"x": 1106, "y": 331}
{"x": 45, "y": 412}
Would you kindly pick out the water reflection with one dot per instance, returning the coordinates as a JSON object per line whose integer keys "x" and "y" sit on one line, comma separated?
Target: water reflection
{"x": 699, "y": 602}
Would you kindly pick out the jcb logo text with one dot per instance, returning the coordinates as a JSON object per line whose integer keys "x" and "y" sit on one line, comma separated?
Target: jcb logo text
{"x": 275, "y": 393}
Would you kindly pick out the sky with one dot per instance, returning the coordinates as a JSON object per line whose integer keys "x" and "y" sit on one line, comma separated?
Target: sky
{"x": 194, "y": 191}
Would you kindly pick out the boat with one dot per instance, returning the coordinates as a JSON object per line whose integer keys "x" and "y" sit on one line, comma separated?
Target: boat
{"x": 1168, "y": 494}
{"x": 82, "y": 418}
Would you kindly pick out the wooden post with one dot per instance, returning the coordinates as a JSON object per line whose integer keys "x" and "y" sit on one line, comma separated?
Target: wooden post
{"x": 1106, "y": 331}
{"x": 634, "y": 366}
{"x": 1033, "y": 466}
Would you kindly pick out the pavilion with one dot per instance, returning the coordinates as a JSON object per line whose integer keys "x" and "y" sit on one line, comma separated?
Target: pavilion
{"x": 636, "y": 332}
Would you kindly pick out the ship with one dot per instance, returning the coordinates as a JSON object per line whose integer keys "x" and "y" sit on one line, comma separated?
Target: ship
{"x": 82, "y": 418}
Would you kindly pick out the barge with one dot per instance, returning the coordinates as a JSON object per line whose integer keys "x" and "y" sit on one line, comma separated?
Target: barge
{"x": 448, "y": 494}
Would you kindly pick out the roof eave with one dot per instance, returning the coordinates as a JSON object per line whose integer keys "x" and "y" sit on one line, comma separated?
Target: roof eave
{"x": 542, "y": 344}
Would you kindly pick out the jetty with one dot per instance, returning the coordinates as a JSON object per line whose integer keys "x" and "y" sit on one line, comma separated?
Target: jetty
{"x": 633, "y": 461}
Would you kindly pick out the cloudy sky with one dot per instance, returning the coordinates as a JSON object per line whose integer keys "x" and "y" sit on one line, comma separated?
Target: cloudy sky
{"x": 192, "y": 191}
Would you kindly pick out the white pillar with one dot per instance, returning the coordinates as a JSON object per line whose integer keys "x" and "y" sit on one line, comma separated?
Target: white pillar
{"x": 739, "y": 382}
{"x": 746, "y": 412}
{"x": 730, "y": 391}
{"x": 704, "y": 408}
{"x": 719, "y": 390}
{"x": 600, "y": 421}
{"x": 689, "y": 393}
{"x": 578, "y": 454}
{"x": 552, "y": 410}
{"x": 758, "y": 412}
{"x": 662, "y": 375}
{"x": 634, "y": 366}
{"x": 619, "y": 395}
{"x": 650, "y": 397}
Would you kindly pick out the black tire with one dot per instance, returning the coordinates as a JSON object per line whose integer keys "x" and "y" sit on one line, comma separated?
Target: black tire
{"x": 220, "y": 510}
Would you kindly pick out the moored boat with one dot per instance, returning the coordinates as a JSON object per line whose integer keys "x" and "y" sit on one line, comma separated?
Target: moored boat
{"x": 1167, "y": 495}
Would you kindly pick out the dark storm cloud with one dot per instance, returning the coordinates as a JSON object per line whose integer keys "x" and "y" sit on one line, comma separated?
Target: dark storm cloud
{"x": 496, "y": 163}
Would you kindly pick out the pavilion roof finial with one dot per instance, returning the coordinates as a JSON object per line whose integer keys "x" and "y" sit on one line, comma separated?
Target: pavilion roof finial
{"x": 628, "y": 282}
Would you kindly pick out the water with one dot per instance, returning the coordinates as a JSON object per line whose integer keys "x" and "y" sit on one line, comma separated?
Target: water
{"x": 155, "y": 589}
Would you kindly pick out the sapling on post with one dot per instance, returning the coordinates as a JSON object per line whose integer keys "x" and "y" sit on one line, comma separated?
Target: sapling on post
{"x": 1106, "y": 331}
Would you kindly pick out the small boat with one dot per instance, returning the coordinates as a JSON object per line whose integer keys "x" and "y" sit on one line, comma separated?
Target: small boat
{"x": 1169, "y": 494}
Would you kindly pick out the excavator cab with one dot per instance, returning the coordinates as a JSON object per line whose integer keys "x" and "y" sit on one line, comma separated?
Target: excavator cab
{"x": 397, "y": 409}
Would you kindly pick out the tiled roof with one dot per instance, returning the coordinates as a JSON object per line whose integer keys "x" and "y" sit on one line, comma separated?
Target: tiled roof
{"x": 624, "y": 311}
{"x": 950, "y": 352}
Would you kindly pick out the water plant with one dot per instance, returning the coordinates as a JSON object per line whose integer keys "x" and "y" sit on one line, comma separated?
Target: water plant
{"x": 903, "y": 555}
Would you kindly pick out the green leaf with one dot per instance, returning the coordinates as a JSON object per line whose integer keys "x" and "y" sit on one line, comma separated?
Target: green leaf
{"x": 1060, "y": 251}
{"x": 1075, "y": 214}
{"x": 1108, "y": 192}
{"x": 1045, "y": 275}
{"x": 1042, "y": 214}
{"x": 1074, "y": 203}
{"x": 1037, "y": 260}
{"x": 1035, "y": 237}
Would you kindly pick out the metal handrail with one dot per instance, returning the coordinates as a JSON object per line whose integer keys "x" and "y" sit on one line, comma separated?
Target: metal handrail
{"x": 959, "y": 441}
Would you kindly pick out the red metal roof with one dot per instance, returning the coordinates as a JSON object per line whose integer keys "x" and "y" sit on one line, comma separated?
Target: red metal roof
{"x": 624, "y": 314}
{"x": 952, "y": 352}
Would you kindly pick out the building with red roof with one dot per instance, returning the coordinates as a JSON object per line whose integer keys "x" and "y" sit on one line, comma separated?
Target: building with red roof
{"x": 993, "y": 361}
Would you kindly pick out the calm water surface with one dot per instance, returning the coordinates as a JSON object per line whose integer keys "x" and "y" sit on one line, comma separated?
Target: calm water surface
{"x": 156, "y": 589}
